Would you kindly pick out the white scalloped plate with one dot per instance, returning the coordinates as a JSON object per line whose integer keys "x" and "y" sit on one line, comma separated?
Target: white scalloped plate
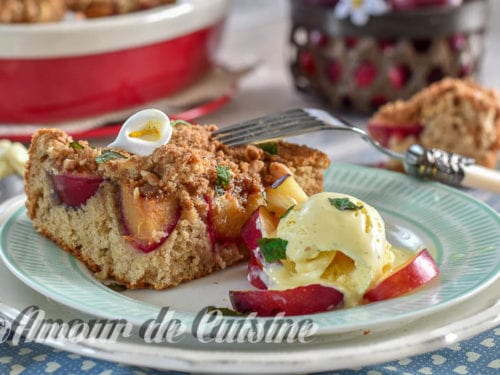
{"x": 465, "y": 319}
{"x": 460, "y": 231}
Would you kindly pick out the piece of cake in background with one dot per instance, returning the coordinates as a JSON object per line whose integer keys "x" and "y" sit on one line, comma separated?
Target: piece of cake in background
{"x": 455, "y": 115}
{"x": 360, "y": 55}
{"x": 28, "y": 11}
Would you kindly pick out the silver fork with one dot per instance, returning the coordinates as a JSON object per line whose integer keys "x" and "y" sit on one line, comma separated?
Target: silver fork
{"x": 435, "y": 164}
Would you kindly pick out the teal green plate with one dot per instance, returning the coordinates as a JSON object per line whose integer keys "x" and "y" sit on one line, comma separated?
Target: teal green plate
{"x": 462, "y": 233}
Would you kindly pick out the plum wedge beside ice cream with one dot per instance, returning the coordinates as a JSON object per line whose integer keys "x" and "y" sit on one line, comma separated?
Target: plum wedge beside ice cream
{"x": 302, "y": 300}
{"x": 417, "y": 271}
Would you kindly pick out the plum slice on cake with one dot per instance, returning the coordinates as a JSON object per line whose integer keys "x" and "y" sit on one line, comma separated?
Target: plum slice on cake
{"x": 160, "y": 219}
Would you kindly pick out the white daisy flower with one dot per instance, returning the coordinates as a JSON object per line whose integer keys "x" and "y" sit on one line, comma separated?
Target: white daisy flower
{"x": 360, "y": 10}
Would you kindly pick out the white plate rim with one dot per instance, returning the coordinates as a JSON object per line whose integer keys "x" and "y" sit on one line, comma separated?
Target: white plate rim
{"x": 329, "y": 358}
{"x": 374, "y": 325}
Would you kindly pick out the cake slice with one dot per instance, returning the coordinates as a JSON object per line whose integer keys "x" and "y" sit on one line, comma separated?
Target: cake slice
{"x": 455, "y": 115}
{"x": 158, "y": 220}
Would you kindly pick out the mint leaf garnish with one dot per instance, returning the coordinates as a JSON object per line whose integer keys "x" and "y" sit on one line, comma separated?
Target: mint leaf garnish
{"x": 117, "y": 287}
{"x": 179, "y": 122}
{"x": 344, "y": 204}
{"x": 223, "y": 178}
{"x": 269, "y": 147}
{"x": 107, "y": 155}
{"x": 76, "y": 145}
{"x": 273, "y": 248}
{"x": 287, "y": 211}
{"x": 224, "y": 311}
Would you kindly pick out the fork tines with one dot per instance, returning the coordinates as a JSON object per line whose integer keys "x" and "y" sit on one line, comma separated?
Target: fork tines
{"x": 266, "y": 128}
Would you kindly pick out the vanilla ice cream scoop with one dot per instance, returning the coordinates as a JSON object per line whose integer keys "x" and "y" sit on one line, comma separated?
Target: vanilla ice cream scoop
{"x": 143, "y": 132}
{"x": 333, "y": 239}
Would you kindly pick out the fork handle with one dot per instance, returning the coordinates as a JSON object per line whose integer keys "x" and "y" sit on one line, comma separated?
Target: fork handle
{"x": 479, "y": 177}
{"x": 450, "y": 168}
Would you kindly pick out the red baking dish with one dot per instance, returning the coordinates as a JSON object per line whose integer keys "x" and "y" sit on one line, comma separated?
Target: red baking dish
{"x": 81, "y": 68}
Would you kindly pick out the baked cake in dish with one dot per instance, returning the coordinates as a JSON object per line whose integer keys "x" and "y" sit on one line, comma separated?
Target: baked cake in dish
{"x": 32, "y": 11}
{"x": 102, "y": 8}
{"x": 14, "y": 11}
{"x": 455, "y": 115}
{"x": 160, "y": 219}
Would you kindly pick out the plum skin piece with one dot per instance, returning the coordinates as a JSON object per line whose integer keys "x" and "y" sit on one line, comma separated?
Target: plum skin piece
{"x": 302, "y": 300}
{"x": 419, "y": 270}
{"x": 75, "y": 189}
